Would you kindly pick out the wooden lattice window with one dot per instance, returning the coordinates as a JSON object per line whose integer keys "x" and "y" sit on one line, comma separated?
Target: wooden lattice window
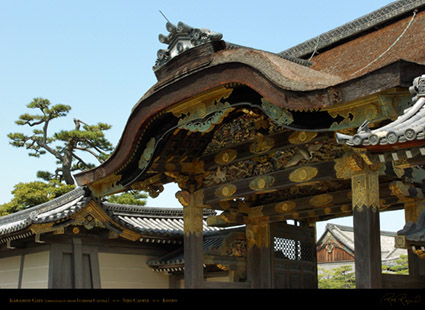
{"x": 293, "y": 249}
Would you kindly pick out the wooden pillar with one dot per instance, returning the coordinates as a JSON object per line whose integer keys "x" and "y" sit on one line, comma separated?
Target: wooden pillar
{"x": 193, "y": 240}
{"x": 259, "y": 254}
{"x": 412, "y": 208}
{"x": 367, "y": 246}
{"x": 77, "y": 256}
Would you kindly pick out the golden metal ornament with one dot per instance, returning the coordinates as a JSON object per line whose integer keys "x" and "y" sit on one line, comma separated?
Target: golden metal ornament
{"x": 261, "y": 183}
{"x": 225, "y": 191}
{"x": 258, "y": 235}
{"x": 255, "y": 211}
{"x": 295, "y": 215}
{"x": 193, "y": 221}
{"x": 348, "y": 165}
{"x": 285, "y": 206}
{"x": 299, "y": 137}
{"x": 205, "y": 100}
{"x": 303, "y": 174}
{"x": 42, "y": 228}
{"x": 365, "y": 190}
{"x": 262, "y": 144}
{"x": 225, "y": 157}
{"x": 345, "y": 208}
{"x": 400, "y": 242}
{"x": 321, "y": 200}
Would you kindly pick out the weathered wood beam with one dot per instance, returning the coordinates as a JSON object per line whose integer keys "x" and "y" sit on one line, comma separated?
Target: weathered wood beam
{"x": 228, "y": 218}
{"x": 312, "y": 207}
{"x": 399, "y": 170}
{"x": 410, "y": 154}
{"x": 305, "y": 174}
{"x": 387, "y": 189}
{"x": 262, "y": 145}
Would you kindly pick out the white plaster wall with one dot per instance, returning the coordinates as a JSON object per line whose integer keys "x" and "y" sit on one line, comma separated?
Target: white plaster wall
{"x": 36, "y": 270}
{"x": 9, "y": 271}
{"x": 129, "y": 271}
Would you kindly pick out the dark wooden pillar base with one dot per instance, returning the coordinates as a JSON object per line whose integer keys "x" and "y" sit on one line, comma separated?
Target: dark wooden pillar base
{"x": 193, "y": 241}
{"x": 259, "y": 255}
{"x": 193, "y": 261}
{"x": 367, "y": 245}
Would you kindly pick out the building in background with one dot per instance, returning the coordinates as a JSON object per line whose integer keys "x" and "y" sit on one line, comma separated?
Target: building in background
{"x": 335, "y": 247}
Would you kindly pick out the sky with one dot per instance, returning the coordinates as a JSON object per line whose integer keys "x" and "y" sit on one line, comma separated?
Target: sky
{"x": 97, "y": 57}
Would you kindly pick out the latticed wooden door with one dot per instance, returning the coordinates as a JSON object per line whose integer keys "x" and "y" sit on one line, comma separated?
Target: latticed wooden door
{"x": 294, "y": 256}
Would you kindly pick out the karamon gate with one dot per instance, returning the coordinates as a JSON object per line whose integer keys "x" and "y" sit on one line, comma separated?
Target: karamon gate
{"x": 253, "y": 135}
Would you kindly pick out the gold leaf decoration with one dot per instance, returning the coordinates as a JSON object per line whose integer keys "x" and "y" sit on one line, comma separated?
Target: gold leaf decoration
{"x": 285, "y": 206}
{"x": 303, "y": 174}
{"x": 261, "y": 183}
{"x": 226, "y": 190}
{"x": 299, "y": 137}
{"x": 261, "y": 145}
{"x": 321, "y": 200}
{"x": 225, "y": 157}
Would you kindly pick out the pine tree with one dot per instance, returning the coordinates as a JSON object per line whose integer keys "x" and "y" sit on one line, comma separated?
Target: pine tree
{"x": 65, "y": 145}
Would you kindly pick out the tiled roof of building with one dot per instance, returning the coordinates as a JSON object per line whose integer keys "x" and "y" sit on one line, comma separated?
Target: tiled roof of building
{"x": 345, "y": 235}
{"x": 407, "y": 127}
{"x": 365, "y": 23}
{"x": 53, "y": 210}
{"x": 368, "y": 43}
{"x": 158, "y": 221}
{"x": 147, "y": 221}
{"x": 175, "y": 261}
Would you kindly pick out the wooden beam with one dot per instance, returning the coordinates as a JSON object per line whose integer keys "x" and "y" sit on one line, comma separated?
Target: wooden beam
{"x": 280, "y": 179}
{"x": 316, "y": 206}
{"x": 262, "y": 145}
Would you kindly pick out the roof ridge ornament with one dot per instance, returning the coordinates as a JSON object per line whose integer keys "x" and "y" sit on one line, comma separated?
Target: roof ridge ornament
{"x": 180, "y": 39}
{"x": 418, "y": 88}
{"x": 407, "y": 127}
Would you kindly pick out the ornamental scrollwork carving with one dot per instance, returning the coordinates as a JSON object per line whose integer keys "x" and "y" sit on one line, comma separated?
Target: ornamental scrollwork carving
{"x": 278, "y": 114}
{"x": 205, "y": 117}
{"x": 236, "y": 248}
{"x": 147, "y": 154}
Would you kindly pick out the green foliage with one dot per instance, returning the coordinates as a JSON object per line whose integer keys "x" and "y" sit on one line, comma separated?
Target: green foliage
{"x": 131, "y": 198}
{"x": 30, "y": 194}
{"x": 343, "y": 276}
{"x": 401, "y": 266}
{"x": 337, "y": 278}
{"x": 65, "y": 145}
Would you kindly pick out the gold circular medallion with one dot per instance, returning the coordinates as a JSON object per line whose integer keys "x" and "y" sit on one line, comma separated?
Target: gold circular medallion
{"x": 261, "y": 183}
{"x": 225, "y": 191}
